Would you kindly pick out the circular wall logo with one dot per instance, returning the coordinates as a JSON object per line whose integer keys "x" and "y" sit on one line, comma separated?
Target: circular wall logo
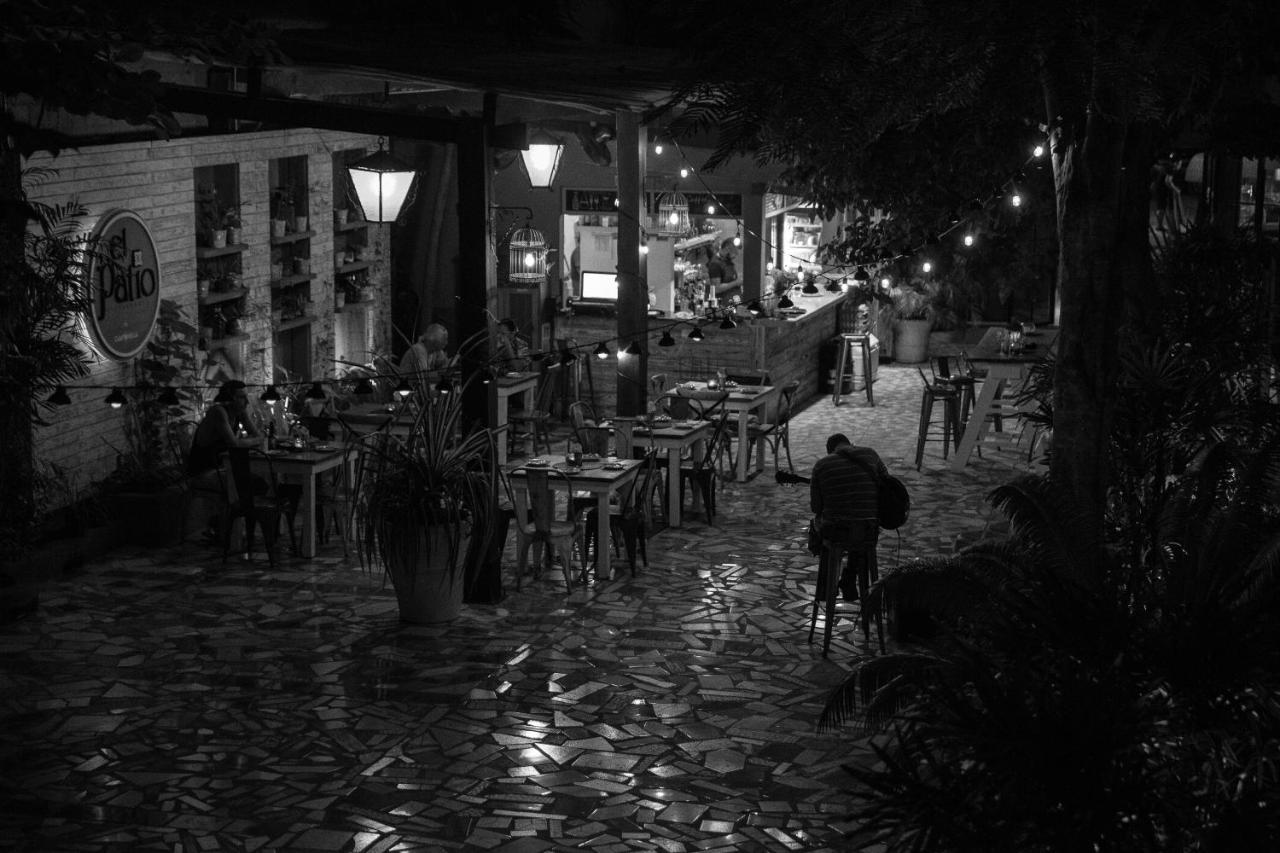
{"x": 124, "y": 284}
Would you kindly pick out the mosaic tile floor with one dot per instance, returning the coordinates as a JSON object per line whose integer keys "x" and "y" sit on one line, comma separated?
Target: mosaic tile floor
{"x": 159, "y": 701}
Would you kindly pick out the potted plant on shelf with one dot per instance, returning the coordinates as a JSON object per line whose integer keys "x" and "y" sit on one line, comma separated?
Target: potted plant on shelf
{"x": 233, "y": 224}
{"x": 281, "y": 210}
{"x": 211, "y": 217}
{"x": 427, "y": 508}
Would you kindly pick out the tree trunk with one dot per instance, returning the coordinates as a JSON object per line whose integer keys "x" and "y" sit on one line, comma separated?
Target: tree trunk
{"x": 1088, "y": 178}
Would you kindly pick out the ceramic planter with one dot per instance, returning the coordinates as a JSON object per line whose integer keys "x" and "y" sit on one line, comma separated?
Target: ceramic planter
{"x": 277, "y": 228}
{"x": 299, "y": 224}
{"x": 218, "y": 238}
{"x": 429, "y": 593}
{"x": 234, "y": 235}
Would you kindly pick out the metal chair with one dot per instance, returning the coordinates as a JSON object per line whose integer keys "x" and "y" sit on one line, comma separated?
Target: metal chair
{"x": 544, "y": 529}
{"x": 862, "y": 549}
{"x": 629, "y": 518}
{"x": 949, "y": 396}
{"x": 537, "y": 422}
{"x": 255, "y": 501}
{"x": 703, "y": 472}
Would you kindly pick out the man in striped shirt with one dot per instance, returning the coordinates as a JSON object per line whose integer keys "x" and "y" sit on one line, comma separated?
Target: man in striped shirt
{"x": 843, "y": 492}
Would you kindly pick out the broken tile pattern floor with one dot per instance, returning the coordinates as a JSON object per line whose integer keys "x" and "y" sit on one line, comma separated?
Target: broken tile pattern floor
{"x": 161, "y": 701}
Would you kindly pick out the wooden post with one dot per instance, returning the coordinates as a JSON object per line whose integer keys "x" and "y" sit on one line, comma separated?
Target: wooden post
{"x": 633, "y": 290}
{"x": 753, "y": 242}
{"x": 477, "y": 272}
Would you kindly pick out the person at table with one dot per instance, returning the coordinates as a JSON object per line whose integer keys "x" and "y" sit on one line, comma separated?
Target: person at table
{"x": 427, "y": 359}
{"x": 510, "y": 349}
{"x": 227, "y": 424}
{"x": 843, "y": 496}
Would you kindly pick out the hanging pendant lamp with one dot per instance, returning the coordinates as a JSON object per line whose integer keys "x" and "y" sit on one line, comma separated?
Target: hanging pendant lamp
{"x": 382, "y": 184}
{"x": 542, "y": 159}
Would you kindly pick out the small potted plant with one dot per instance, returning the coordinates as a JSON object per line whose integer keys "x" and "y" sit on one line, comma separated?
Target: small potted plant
{"x": 211, "y": 227}
{"x": 233, "y": 224}
{"x": 912, "y": 321}
{"x": 281, "y": 210}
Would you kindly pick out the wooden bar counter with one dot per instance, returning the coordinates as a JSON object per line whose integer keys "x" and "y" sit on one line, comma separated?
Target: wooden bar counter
{"x": 786, "y": 346}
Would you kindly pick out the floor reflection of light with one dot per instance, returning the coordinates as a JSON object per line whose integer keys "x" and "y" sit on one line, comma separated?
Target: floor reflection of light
{"x": 538, "y": 723}
{"x": 503, "y": 687}
{"x": 529, "y": 756}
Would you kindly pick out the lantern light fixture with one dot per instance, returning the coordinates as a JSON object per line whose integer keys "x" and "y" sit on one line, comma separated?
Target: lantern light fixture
{"x": 541, "y": 159}
{"x": 382, "y": 182}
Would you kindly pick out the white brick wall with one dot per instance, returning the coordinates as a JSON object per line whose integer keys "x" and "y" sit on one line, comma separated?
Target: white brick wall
{"x": 156, "y": 180}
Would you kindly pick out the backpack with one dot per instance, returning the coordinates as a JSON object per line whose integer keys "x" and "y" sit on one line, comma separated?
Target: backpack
{"x": 893, "y": 501}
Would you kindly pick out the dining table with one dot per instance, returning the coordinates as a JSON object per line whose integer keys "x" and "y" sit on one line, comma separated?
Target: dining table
{"x": 397, "y": 418}
{"x": 1003, "y": 366}
{"x": 743, "y": 401}
{"x": 516, "y": 383}
{"x": 600, "y": 479}
{"x": 303, "y": 466}
{"x": 672, "y": 438}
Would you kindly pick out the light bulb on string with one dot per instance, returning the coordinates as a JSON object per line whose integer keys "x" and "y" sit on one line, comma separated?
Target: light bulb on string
{"x": 666, "y": 340}
{"x": 115, "y": 399}
{"x": 644, "y": 248}
{"x": 270, "y": 396}
{"x": 1015, "y": 198}
{"x": 315, "y": 392}
{"x": 727, "y": 323}
{"x": 755, "y": 308}
{"x": 364, "y": 386}
{"x": 403, "y": 389}
{"x": 567, "y": 357}
{"x": 59, "y": 397}
{"x": 886, "y": 283}
{"x": 602, "y": 351}
{"x": 444, "y": 386}
{"x": 785, "y": 302}
{"x": 632, "y": 349}
{"x": 684, "y": 171}
{"x": 711, "y": 208}
{"x": 969, "y": 239}
{"x": 1038, "y": 150}
{"x": 657, "y": 147}
{"x": 696, "y": 334}
{"x": 926, "y": 267}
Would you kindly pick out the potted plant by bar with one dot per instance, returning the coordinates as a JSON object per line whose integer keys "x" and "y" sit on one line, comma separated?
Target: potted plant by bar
{"x": 427, "y": 507}
{"x": 913, "y": 314}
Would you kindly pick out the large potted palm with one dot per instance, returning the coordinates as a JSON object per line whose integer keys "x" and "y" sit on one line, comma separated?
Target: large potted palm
{"x": 427, "y": 506}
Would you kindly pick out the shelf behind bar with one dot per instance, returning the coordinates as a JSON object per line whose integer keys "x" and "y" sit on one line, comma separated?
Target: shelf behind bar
{"x": 292, "y": 238}
{"x": 212, "y": 298}
{"x": 205, "y": 252}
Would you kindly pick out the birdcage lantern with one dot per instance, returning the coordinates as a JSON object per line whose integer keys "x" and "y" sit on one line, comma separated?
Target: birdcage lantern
{"x": 673, "y": 214}
{"x": 527, "y": 256}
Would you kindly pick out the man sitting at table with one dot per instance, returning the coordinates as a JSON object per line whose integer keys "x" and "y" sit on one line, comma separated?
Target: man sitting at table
{"x": 843, "y": 496}
{"x": 225, "y": 425}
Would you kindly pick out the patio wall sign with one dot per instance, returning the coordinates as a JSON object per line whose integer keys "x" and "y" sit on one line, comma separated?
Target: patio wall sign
{"x": 124, "y": 284}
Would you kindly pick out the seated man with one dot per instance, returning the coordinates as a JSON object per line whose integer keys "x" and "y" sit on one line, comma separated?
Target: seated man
{"x": 843, "y": 497}
{"x": 225, "y": 425}
{"x": 426, "y": 362}
{"x": 510, "y": 350}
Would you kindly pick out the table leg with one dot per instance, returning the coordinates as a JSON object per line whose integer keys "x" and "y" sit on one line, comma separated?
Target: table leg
{"x": 501, "y": 416}
{"x": 978, "y": 420}
{"x": 673, "y": 487}
{"x": 604, "y": 565}
{"x": 308, "y": 543}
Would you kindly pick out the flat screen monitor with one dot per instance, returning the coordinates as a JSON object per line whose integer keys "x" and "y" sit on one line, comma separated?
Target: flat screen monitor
{"x": 599, "y": 286}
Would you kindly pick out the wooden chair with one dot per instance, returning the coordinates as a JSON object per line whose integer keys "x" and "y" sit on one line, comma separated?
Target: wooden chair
{"x": 545, "y": 530}
{"x": 775, "y": 434}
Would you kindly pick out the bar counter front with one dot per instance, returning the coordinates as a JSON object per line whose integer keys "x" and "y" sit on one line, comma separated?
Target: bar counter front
{"x": 785, "y": 346}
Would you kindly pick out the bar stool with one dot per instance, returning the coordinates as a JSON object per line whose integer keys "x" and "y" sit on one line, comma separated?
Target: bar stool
{"x": 829, "y": 570}
{"x": 962, "y": 381}
{"x": 844, "y": 362}
{"x": 949, "y": 396}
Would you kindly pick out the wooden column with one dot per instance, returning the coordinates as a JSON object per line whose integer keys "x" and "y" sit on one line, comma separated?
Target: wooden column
{"x": 753, "y": 242}
{"x": 633, "y": 291}
{"x": 477, "y": 273}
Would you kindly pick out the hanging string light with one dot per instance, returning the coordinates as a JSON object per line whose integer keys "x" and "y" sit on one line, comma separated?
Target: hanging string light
{"x": 116, "y": 398}
{"x": 59, "y": 397}
{"x": 602, "y": 351}
{"x": 666, "y": 340}
{"x": 315, "y": 392}
{"x": 403, "y": 389}
{"x": 567, "y": 357}
{"x": 633, "y": 348}
{"x": 270, "y": 396}
{"x": 364, "y": 386}
{"x": 696, "y": 334}
{"x": 727, "y": 322}
{"x": 169, "y": 397}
